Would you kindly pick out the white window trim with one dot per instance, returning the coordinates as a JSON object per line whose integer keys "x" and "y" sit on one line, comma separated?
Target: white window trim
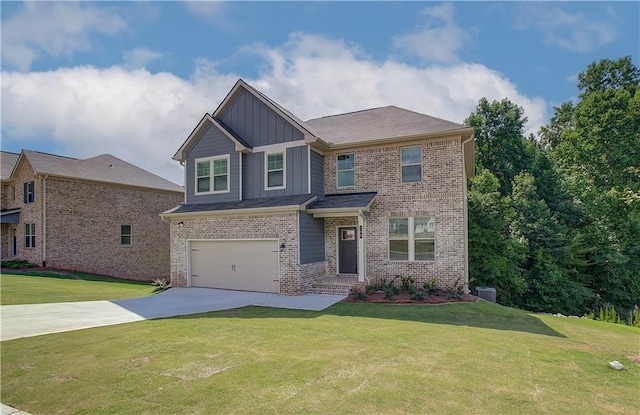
{"x": 211, "y": 175}
{"x": 411, "y": 164}
{"x": 284, "y": 170}
{"x": 30, "y": 236}
{"x": 338, "y": 171}
{"x": 412, "y": 240}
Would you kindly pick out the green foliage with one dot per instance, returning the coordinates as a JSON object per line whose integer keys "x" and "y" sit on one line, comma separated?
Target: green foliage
{"x": 160, "y": 284}
{"x": 609, "y": 314}
{"x": 17, "y": 264}
{"x": 407, "y": 283}
{"x": 359, "y": 293}
{"x": 431, "y": 287}
{"x": 455, "y": 290}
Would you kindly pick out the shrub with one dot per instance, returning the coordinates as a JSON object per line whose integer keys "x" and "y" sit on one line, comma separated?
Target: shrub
{"x": 455, "y": 290}
{"x": 160, "y": 284}
{"x": 417, "y": 295}
{"x": 609, "y": 314}
{"x": 17, "y": 264}
{"x": 407, "y": 284}
{"x": 431, "y": 287}
{"x": 359, "y": 294}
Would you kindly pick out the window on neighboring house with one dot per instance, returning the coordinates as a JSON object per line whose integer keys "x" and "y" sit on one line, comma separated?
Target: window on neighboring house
{"x": 346, "y": 170}
{"x": 411, "y": 164}
{"x": 212, "y": 175}
{"x": 412, "y": 239}
{"x": 275, "y": 176}
{"x": 29, "y": 235}
{"x": 125, "y": 235}
{"x": 29, "y": 192}
{"x": 13, "y": 192}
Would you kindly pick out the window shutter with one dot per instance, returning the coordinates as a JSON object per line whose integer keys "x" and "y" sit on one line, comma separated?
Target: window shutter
{"x": 24, "y": 192}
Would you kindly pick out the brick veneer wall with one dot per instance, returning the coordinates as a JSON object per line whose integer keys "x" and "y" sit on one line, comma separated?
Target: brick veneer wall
{"x": 83, "y": 222}
{"x": 295, "y": 279}
{"x": 440, "y": 194}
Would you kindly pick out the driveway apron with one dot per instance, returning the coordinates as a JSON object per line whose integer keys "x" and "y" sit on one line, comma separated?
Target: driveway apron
{"x": 38, "y": 319}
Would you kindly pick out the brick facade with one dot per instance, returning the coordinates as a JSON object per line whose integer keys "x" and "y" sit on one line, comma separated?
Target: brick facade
{"x": 295, "y": 279}
{"x": 83, "y": 224}
{"x": 439, "y": 194}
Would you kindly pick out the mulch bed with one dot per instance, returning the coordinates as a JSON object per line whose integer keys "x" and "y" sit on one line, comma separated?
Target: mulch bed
{"x": 405, "y": 298}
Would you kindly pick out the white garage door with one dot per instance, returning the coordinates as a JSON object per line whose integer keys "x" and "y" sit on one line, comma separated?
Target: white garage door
{"x": 248, "y": 265}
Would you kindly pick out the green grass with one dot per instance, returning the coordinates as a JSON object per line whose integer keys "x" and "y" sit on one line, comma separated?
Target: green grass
{"x": 352, "y": 359}
{"x": 36, "y": 287}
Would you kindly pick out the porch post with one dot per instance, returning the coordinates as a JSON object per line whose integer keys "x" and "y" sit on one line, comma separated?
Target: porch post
{"x": 361, "y": 251}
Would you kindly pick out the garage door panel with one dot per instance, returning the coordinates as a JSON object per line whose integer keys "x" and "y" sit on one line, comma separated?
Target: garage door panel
{"x": 250, "y": 265}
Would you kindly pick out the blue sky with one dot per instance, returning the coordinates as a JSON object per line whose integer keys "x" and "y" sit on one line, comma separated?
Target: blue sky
{"x": 133, "y": 78}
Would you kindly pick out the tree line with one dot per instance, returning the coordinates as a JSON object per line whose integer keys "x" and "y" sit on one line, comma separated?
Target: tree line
{"x": 554, "y": 218}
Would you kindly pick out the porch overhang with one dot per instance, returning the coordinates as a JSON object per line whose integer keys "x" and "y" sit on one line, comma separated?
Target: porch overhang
{"x": 343, "y": 205}
{"x": 10, "y": 216}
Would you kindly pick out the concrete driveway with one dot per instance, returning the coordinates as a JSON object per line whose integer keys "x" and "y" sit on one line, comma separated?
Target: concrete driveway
{"x": 37, "y": 319}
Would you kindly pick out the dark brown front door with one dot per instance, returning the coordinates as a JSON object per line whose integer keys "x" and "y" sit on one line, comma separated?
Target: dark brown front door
{"x": 347, "y": 250}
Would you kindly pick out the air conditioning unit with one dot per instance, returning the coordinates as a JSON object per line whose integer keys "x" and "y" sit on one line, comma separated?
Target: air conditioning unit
{"x": 487, "y": 293}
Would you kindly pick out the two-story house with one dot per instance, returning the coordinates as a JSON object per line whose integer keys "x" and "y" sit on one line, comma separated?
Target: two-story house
{"x": 97, "y": 215}
{"x": 276, "y": 204}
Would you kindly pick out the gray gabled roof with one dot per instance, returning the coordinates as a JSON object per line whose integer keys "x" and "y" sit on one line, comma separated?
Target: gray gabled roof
{"x": 104, "y": 168}
{"x": 378, "y": 124}
{"x": 359, "y": 200}
{"x": 7, "y": 163}
{"x": 261, "y": 203}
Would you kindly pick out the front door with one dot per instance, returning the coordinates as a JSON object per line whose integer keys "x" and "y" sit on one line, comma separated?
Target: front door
{"x": 14, "y": 242}
{"x": 347, "y": 250}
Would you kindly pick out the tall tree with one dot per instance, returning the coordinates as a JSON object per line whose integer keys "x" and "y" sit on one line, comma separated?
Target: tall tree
{"x": 500, "y": 148}
{"x": 596, "y": 142}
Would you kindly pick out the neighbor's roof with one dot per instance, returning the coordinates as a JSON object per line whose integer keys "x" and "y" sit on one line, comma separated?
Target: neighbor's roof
{"x": 379, "y": 124}
{"x": 7, "y": 163}
{"x": 104, "y": 168}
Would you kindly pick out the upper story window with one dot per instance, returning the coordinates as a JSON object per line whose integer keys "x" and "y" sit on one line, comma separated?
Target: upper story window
{"x": 29, "y": 192}
{"x": 411, "y": 164}
{"x": 345, "y": 166}
{"x": 412, "y": 239}
{"x": 212, "y": 175}
{"x": 29, "y": 235}
{"x": 125, "y": 235}
{"x": 275, "y": 174}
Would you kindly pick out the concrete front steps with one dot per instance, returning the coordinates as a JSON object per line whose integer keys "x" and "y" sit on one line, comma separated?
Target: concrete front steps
{"x": 338, "y": 285}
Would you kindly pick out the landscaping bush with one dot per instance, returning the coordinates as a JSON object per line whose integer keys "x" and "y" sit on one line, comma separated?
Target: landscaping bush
{"x": 17, "y": 264}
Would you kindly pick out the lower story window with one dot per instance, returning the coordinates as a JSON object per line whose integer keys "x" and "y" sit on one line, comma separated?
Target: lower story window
{"x": 125, "y": 235}
{"x": 29, "y": 235}
{"x": 412, "y": 239}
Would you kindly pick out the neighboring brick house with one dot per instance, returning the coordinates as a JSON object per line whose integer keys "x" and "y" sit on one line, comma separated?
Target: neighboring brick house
{"x": 281, "y": 205}
{"x": 97, "y": 215}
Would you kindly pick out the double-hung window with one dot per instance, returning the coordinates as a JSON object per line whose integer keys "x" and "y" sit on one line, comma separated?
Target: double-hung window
{"x": 212, "y": 175}
{"x": 412, "y": 239}
{"x": 29, "y": 194}
{"x": 345, "y": 165}
{"x": 29, "y": 235}
{"x": 275, "y": 171}
{"x": 125, "y": 235}
{"x": 411, "y": 164}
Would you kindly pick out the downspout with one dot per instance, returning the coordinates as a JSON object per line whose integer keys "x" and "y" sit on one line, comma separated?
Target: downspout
{"x": 184, "y": 180}
{"x": 466, "y": 218}
{"x": 44, "y": 221}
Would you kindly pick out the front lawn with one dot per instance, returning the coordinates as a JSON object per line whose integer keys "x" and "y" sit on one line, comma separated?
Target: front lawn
{"x": 351, "y": 358}
{"x": 36, "y": 287}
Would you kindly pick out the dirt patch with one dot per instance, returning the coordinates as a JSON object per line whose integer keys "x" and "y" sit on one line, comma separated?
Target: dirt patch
{"x": 635, "y": 359}
{"x": 405, "y": 298}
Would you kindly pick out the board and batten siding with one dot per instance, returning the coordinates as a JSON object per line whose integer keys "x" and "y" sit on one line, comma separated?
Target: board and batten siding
{"x": 258, "y": 124}
{"x": 311, "y": 238}
{"x": 253, "y": 172}
{"x": 212, "y": 143}
{"x": 317, "y": 174}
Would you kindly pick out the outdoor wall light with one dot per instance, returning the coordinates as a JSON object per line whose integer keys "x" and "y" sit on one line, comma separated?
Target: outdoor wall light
{"x": 181, "y": 224}
{"x": 282, "y": 246}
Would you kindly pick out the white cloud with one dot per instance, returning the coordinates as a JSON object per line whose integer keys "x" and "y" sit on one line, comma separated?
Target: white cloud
{"x": 144, "y": 117}
{"x": 207, "y": 9}
{"x": 139, "y": 58}
{"x": 438, "y": 40}
{"x": 54, "y": 29}
{"x": 571, "y": 31}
